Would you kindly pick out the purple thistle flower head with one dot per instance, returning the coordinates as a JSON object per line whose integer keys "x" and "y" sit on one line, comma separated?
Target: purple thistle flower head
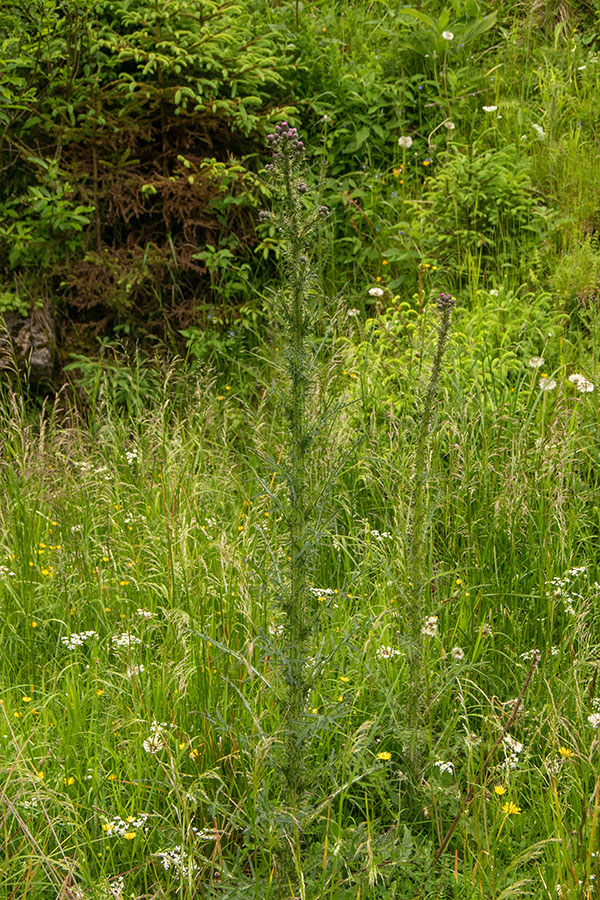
{"x": 445, "y": 301}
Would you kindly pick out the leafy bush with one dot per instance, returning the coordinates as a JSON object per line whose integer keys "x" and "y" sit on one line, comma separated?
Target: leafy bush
{"x": 479, "y": 206}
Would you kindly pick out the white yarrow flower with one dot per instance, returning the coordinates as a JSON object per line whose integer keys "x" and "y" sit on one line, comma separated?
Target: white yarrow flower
{"x": 405, "y": 142}
{"x": 536, "y": 362}
{"x": 540, "y": 131}
{"x": 489, "y": 108}
{"x": 375, "y": 292}
{"x": 447, "y": 35}
{"x": 594, "y": 720}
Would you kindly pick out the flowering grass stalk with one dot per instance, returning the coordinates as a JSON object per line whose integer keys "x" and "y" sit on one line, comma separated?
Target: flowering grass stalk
{"x": 295, "y": 223}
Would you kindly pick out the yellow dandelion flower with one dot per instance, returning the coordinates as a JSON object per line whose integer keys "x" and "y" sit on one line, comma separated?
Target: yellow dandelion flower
{"x": 511, "y": 809}
{"x": 69, "y": 780}
{"x": 17, "y": 715}
{"x": 183, "y": 745}
{"x": 566, "y": 752}
{"x": 99, "y": 692}
{"x": 26, "y": 699}
{"x": 193, "y": 754}
{"x": 344, "y": 678}
{"x": 314, "y": 710}
{"x": 129, "y": 835}
{"x": 40, "y": 775}
{"x": 499, "y": 789}
{"x": 112, "y": 777}
{"x": 378, "y": 279}
{"x": 34, "y": 624}
{"x": 384, "y": 755}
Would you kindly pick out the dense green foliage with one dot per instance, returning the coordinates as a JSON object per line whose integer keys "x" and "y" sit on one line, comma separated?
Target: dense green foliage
{"x": 133, "y": 137}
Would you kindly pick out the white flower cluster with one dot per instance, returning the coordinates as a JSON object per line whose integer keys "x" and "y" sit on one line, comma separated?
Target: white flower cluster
{"x": 582, "y": 384}
{"x": 178, "y": 860}
{"x": 318, "y": 591}
{"x": 387, "y": 652}
{"x": 118, "y": 827}
{"x": 126, "y": 639}
{"x": 431, "y": 627}
{"x": 4, "y": 570}
{"x": 131, "y": 455}
{"x": 380, "y": 535}
{"x": 444, "y": 767}
{"x": 375, "y": 292}
{"x": 594, "y": 720}
{"x": 561, "y": 588}
{"x": 135, "y": 670}
{"x": 77, "y": 640}
{"x": 145, "y": 614}
{"x": 514, "y": 748}
{"x": 457, "y": 653}
{"x": 156, "y": 740}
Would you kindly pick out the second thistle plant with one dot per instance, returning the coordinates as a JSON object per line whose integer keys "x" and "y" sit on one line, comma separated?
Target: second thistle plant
{"x": 296, "y": 223}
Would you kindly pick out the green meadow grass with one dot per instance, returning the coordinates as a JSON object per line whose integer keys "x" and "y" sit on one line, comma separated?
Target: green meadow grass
{"x": 139, "y": 759}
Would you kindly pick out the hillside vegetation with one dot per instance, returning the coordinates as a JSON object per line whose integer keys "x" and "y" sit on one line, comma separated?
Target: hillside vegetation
{"x": 300, "y": 584}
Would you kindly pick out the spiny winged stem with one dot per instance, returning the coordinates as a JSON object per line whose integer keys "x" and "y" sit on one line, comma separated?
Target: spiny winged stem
{"x": 296, "y": 223}
{"x": 417, "y": 531}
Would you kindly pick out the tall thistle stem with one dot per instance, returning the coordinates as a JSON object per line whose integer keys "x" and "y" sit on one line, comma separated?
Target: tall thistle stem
{"x": 418, "y": 527}
{"x": 296, "y": 223}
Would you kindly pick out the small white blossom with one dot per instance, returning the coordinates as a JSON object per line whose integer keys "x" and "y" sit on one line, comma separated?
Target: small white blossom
{"x": 387, "y": 652}
{"x": 447, "y": 35}
{"x": 178, "y": 860}
{"x": 405, "y": 142}
{"x": 585, "y": 387}
{"x": 536, "y": 362}
{"x": 375, "y": 292}
{"x": 594, "y": 720}
{"x": 513, "y": 746}
{"x": 540, "y": 131}
{"x": 489, "y": 108}
{"x": 494, "y": 292}
{"x": 449, "y": 125}
{"x": 457, "y": 653}
{"x": 77, "y": 640}
{"x": 135, "y": 670}
{"x": 430, "y": 628}
{"x": 124, "y": 640}
{"x": 145, "y": 614}
{"x": 445, "y": 766}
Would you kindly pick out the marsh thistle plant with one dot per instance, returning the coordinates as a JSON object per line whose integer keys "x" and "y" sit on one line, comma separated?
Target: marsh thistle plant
{"x": 296, "y": 221}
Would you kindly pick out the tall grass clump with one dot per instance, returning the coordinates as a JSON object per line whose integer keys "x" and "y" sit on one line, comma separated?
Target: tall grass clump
{"x": 416, "y": 543}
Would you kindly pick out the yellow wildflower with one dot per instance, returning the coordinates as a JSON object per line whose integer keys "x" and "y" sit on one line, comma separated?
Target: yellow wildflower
{"x": 384, "y": 755}
{"x": 511, "y": 809}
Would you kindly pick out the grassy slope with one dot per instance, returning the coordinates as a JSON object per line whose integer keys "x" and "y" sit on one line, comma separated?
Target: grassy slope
{"x": 156, "y": 518}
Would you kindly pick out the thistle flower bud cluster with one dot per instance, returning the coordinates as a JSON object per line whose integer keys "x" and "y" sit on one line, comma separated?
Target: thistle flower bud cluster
{"x": 445, "y": 301}
{"x": 284, "y": 141}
